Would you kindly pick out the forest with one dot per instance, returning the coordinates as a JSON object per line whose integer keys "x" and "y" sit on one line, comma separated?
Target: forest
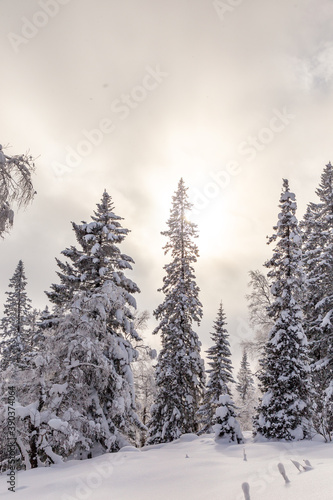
{"x": 78, "y": 379}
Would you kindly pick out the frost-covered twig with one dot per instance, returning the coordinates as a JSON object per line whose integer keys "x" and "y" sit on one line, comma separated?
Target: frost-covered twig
{"x": 15, "y": 185}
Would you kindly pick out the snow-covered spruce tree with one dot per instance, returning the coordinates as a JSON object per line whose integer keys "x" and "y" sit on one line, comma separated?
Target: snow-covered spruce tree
{"x": 92, "y": 386}
{"x": 246, "y": 400}
{"x": 34, "y": 423}
{"x": 284, "y": 410}
{"x": 219, "y": 374}
{"x": 226, "y": 425}
{"x": 317, "y": 227}
{"x": 180, "y": 374}
{"x": 16, "y": 327}
{"x": 32, "y": 418}
{"x": 92, "y": 337}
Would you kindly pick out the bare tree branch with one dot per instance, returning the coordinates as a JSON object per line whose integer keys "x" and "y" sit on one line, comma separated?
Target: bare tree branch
{"x": 259, "y": 299}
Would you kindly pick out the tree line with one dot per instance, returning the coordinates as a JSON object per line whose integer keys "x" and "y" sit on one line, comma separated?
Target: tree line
{"x": 76, "y": 368}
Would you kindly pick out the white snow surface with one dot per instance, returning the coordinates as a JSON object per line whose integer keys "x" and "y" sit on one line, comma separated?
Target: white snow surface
{"x": 191, "y": 468}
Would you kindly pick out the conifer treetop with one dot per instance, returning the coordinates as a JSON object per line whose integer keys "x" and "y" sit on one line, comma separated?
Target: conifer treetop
{"x": 180, "y": 227}
{"x": 219, "y": 357}
{"x": 325, "y": 189}
{"x": 287, "y": 254}
{"x": 97, "y": 258}
{"x": 182, "y": 302}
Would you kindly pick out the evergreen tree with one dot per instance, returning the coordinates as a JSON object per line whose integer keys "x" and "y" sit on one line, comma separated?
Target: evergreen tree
{"x": 18, "y": 371}
{"x": 16, "y": 322}
{"x": 284, "y": 378}
{"x": 91, "y": 337}
{"x": 317, "y": 228}
{"x": 37, "y": 427}
{"x": 97, "y": 260}
{"x": 246, "y": 393}
{"x": 219, "y": 374}
{"x": 227, "y": 426}
{"x": 29, "y": 380}
{"x": 92, "y": 362}
{"x": 180, "y": 372}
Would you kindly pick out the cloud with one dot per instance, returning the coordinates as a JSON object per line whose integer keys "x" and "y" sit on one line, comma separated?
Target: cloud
{"x": 224, "y": 81}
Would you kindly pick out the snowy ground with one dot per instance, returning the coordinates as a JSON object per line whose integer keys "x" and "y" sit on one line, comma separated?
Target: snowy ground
{"x": 192, "y": 468}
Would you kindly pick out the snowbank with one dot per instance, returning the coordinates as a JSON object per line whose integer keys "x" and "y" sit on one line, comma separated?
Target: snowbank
{"x": 194, "y": 469}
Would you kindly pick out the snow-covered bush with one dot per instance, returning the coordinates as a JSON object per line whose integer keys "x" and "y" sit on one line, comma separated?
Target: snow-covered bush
{"x": 227, "y": 425}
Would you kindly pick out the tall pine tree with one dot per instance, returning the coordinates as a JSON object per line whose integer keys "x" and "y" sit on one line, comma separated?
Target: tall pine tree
{"x": 317, "y": 228}
{"x": 16, "y": 321}
{"x": 284, "y": 410}
{"x": 219, "y": 374}
{"x": 180, "y": 372}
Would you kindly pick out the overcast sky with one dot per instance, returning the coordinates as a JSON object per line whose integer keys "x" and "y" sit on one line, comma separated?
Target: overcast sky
{"x": 131, "y": 95}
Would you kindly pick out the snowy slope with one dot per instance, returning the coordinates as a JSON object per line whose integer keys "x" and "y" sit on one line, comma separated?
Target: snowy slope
{"x": 194, "y": 468}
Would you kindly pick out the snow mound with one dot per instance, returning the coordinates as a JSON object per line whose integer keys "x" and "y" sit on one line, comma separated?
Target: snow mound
{"x": 164, "y": 472}
{"x": 187, "y": 438}
{"x": 129, "y": 448}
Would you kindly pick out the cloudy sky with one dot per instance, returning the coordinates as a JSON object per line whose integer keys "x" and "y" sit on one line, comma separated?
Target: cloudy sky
{"x": 131, "y": 95}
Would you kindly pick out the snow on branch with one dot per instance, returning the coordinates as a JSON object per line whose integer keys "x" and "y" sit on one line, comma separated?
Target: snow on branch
{"x": 15, "y": 185}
